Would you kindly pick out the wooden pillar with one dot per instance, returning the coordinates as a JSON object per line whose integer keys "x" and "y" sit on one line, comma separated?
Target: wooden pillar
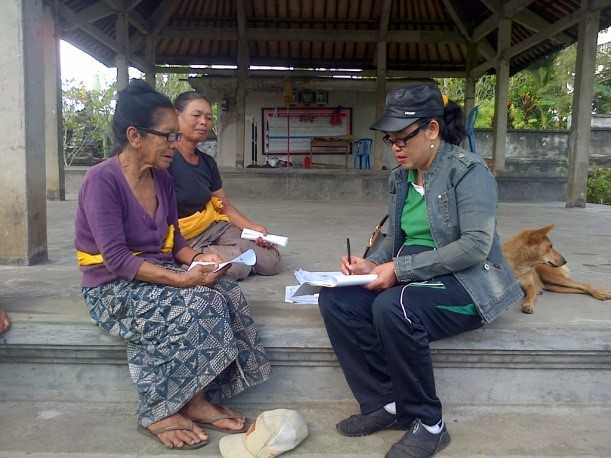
{"x": 502, "y": 89}
{"x": 150, "y": 45}
{"x": 23, "y": 207}
{"x": 54, "y": 141}
{"x": 470, "y": 79}
{"x": 580, "y": 134}
{"x": 241, "y": 103}
{"x": 121, "y": 59}
{"x": 243, "y": 65}
{"x": 378, "y": 150}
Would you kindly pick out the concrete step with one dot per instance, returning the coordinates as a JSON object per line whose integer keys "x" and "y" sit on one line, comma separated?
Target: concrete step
{"x": 498, "y": 364}
{"x": 96, "y": 430}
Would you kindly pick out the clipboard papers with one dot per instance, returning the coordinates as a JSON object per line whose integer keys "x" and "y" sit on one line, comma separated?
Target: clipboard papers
{"x": 311, "y": 282}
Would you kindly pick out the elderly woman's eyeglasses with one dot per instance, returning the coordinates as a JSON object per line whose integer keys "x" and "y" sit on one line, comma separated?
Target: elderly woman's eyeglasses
{"x": 402, "y": 141}
{"x": 171, "y": 137}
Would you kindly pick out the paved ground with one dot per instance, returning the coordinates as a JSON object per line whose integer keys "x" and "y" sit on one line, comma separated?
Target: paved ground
{"x": 51, "y": 430}
{"x": 317, "y": 233}
{"x": 317, "y": 230}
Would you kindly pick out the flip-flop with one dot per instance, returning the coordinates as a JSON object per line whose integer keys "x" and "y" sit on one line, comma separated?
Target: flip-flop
{"x": 154, "y": 433}
{"x": 228, "y": 415}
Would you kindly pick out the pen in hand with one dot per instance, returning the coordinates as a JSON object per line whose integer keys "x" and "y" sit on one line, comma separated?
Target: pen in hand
{"x": 349, "y": 259}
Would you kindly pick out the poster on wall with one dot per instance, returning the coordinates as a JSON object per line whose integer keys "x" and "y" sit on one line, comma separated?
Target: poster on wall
{"x": 291, "y": 130}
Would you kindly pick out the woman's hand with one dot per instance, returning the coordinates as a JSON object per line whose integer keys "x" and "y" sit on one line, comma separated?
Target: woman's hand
{"x": 386, "y": 277}
{"x": 358, "y": 265}
{"x": 257, "y": 227}
{"x": 200, "y": 276}
{"x": 208, "y": 257}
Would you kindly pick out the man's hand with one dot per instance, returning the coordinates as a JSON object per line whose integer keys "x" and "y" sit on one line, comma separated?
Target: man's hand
{"x": 386, "y": 277}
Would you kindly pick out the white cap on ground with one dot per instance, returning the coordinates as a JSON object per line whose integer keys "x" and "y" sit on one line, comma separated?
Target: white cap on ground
{"x": 273, "y": 433}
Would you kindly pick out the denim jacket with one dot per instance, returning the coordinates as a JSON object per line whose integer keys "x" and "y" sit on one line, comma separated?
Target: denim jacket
{"x": 461, "y": 197}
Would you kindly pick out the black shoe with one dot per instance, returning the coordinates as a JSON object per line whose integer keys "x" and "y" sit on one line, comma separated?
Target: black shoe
{"x": 363, "y": 425}
{"x": 419, "y": 443}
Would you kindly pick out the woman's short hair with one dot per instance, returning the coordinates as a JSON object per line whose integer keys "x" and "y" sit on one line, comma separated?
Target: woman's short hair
{"x": 137, "y": 105}
{"x": 183, "y": 99}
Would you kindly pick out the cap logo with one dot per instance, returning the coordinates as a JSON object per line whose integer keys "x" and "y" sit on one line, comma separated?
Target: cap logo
{"x": 410, "y": 113}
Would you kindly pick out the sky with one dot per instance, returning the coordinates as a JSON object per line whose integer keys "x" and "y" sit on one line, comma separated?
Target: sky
{"x": 79, "y": 66}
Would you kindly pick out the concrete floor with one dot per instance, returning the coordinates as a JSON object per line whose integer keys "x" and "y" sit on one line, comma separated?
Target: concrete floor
{"x": 62, "y": 430}
{"x": 317, "y": 232}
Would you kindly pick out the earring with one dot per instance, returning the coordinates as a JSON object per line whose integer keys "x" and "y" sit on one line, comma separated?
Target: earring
{"x": 432, "y": 145}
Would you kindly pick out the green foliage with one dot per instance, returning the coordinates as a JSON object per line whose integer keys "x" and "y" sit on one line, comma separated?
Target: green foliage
{"x": 88, "y": 117}
{"x": 599, "y": 187}
{"x": 171, "y": 84}
{"x": 540, "y": 96}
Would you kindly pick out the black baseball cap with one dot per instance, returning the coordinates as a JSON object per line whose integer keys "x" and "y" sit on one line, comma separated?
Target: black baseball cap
{"x": 406, "y": 105}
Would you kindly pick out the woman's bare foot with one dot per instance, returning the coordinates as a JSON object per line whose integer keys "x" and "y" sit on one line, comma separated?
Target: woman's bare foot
{"x": 5, "y": 323}
{"x": 191, "y": 435}
{"x": 198, "y": 409}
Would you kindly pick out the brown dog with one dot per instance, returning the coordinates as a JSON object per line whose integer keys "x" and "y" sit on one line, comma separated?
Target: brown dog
{"x": 538, "y": 266}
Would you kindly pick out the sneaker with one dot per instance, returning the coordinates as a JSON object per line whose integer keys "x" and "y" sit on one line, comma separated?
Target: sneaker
{"x": 363, "y": 425}
{"x": 419, "y": 443}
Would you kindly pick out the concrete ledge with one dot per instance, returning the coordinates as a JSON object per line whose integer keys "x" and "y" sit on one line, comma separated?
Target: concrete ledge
{"x": 489, "y": 347}
{"x": 351, "y": 185}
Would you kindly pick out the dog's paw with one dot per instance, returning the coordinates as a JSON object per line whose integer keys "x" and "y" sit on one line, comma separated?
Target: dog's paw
{"x": 528, "y": 308}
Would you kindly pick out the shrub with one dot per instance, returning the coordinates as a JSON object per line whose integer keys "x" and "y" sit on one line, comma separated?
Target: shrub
{"x": 599, "y": 187}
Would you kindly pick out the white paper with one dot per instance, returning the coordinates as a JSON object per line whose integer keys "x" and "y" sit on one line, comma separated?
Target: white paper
{"x": 289, "y": 296}
{"x": 249, "y": 234}
{"x": 332, "y": 279}
{"x": 311, "y": 282}
{"x": 248, "y": 257}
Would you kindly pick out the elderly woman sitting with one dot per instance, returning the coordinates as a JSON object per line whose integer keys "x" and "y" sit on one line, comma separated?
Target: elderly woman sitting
{"x": 190, "y": 338}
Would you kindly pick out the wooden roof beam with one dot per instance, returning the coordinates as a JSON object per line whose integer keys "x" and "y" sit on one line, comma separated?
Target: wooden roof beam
{"x": 549, "y": 32}
{"x": 384, "y": 20}
{"x": 100, "y": 10}
{"x": 499, "y": 10}
{"x": 96, "y": 33}
{"x": 452, "y": 11}
{"x": 362, "y": 36}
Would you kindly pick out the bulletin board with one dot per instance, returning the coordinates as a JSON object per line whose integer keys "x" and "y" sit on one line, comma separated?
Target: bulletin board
{"x": 291, "y": 130}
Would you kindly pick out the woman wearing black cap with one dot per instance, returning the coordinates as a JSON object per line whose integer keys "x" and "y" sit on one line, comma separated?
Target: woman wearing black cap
{"x": 440, "y": 273}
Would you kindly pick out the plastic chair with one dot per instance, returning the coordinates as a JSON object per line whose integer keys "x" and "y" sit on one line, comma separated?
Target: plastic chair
{"x": 362, "y": 153}
{"x": 470, "y": 128}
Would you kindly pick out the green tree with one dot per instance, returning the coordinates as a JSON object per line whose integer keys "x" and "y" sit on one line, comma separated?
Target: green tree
{"x": 171, "y": 84}
{"x": 87, "y": 116}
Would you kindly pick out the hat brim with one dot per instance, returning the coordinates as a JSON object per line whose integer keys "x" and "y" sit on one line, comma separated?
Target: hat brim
{"x": 391, "y": 124}
{"x": 233, "y": 446}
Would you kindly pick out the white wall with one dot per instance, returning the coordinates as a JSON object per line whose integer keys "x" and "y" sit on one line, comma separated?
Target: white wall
{"x": 363, "y": 115}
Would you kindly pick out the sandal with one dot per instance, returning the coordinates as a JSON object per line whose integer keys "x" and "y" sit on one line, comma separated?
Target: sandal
{"x": 154, "y": 433}
{"x": 228, "y": 415}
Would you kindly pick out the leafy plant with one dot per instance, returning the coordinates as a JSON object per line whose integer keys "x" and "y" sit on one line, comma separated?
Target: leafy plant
{"x": 599, "y": 187}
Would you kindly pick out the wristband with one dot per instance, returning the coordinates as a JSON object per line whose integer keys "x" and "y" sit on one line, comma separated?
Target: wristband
{"x": 195, "y": 256}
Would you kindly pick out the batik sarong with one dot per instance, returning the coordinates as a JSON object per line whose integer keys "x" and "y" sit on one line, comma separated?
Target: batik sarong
{"x": 181, "y": 341}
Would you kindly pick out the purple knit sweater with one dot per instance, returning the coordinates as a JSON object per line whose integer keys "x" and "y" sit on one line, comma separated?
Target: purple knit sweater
{"x": 110, "y": 221}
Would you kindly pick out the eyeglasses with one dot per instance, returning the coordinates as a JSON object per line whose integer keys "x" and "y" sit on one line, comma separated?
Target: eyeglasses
{"x": 171, "y": 137}
{"x": 401, "y": 142}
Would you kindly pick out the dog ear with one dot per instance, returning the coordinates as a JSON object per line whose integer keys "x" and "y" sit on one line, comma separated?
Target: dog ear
{"x": 539, "y": 234}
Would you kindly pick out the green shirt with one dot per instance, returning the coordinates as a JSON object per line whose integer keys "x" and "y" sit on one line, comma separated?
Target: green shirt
{"x": 414, "y": 218}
